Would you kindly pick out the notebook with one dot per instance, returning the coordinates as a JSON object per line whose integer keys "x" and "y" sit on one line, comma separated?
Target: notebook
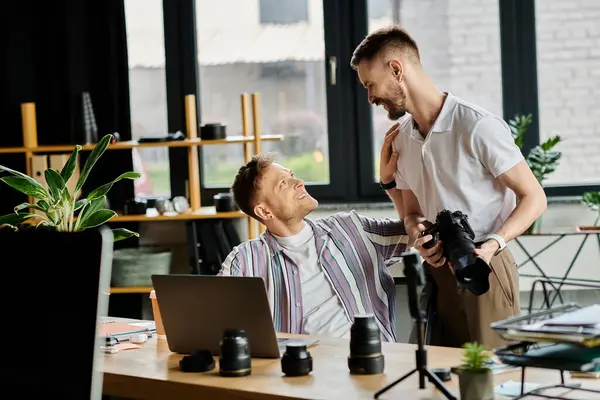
{"x": 120, "y": 330}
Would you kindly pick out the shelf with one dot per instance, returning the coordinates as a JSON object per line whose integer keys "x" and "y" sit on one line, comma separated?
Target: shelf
{"x": 202, "y": 213}
{"x": 131, "y": 289}
{"x": 12, "y": 150}
{"x": 134, "y": 144}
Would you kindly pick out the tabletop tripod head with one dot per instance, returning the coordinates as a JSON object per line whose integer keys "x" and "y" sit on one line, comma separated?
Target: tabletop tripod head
{"x": 415, "y": 277}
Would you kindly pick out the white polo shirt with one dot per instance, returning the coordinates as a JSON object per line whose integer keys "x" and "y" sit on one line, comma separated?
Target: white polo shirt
{"x": 456, "y": 165}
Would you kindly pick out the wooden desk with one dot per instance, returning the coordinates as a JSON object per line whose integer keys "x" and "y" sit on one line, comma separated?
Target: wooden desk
{"x": 152, "y": 372}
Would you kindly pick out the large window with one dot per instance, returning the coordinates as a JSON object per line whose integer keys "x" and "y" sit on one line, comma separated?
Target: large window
{"x": 568, "y": 59}
{"x": 296, "y": 55}
{"x": 146, "y": 52}
{"x": 284, "y": 62}
{"x": 459, "y": 44}
{"x": 271, "y": 11}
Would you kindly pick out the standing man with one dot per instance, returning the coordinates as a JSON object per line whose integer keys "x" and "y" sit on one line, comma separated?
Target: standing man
{"x": 458, "y": 156}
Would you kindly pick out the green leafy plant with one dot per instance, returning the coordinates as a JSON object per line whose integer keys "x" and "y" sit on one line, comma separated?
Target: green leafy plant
{"x": 592, "y": 200}
{"x": 475, "y": 358}
{"x": 542, "y": 159}
{"x": 59, "y": 210}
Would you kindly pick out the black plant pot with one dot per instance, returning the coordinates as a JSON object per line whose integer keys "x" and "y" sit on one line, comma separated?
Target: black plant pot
{"x": 26, "y": 228}
{"x": 56, "y": 287}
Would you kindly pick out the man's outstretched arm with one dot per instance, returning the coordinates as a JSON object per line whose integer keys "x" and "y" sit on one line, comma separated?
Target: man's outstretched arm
{"x": 395, "y": 195}
{"x": 388, "y": 164}
{"x": 232, "y": 265}
{"x": 388, "y": 235}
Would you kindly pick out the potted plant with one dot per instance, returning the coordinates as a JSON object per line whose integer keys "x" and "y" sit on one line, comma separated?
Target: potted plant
{"x": 59, "y": 210}
{"x": 592, "y": 200}
{"x": 542, "y": 159}
{"x": 475, "y": 378}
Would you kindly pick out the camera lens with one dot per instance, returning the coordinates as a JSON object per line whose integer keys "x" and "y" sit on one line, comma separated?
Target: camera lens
{"x": 235, "y": 358}
{"x": 198, "y": 361}
{"x": 474, "y": 276}
{"x": 365, "y": 346}
{"x": 296, "y": 360}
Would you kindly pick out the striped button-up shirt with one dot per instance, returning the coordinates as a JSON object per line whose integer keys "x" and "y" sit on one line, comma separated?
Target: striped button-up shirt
{"x": 353, "y": 251}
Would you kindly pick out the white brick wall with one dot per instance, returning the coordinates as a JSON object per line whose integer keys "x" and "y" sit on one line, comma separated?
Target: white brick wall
{"x": 460, "y": 49}
{"x": 459, "y": 42}
{"x": 568, "y": 50}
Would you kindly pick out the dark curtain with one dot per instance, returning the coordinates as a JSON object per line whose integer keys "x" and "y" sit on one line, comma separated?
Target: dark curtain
{"x": 51, "y": 54}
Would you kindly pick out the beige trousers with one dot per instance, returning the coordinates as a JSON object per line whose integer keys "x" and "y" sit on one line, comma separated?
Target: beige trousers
{"x": 462, "y": 317}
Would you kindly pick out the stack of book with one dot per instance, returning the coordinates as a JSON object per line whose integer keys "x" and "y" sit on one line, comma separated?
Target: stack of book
{"x": 581, "y": 326}
{"x": 565, "y": 338}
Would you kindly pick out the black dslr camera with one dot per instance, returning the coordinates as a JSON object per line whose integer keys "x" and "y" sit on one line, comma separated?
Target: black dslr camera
{"x": 470, "y": 270}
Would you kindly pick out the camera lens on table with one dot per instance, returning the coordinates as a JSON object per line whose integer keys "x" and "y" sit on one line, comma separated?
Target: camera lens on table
{"x": 365, "y": 346}
{"x": 296, "y": 361}
{"x": 234, "y": 359}
{"x": 198, "y": 361}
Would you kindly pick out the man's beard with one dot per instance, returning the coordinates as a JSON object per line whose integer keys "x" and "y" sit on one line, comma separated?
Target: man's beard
{"x": 397, "y": 103}
{"x": 396, "y": 114}
{"x": 291, "y": 216}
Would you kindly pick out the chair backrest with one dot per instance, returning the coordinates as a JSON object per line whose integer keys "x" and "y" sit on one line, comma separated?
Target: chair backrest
{"x": 54, "y": 286}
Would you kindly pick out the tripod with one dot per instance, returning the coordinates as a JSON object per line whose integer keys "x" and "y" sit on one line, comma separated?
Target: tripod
{"x": 414, "y": 277}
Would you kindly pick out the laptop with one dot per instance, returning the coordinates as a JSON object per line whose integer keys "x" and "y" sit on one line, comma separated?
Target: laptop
{"x": 197, "y": 309}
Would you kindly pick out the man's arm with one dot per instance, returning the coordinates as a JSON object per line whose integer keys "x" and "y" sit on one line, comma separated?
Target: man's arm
{"x": 388, "y": 235}
{"x": 395, "y": 195}
{"x": 415, "y": 225}
{"x": 232, "y": 265}
{"x": 532, "y": 200}
{"x": 388, "y": 169}
{"x": 413, "y": 215}
{"x": 495, "y": 148}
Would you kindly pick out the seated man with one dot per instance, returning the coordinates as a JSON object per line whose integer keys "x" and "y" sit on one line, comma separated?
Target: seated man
{"x": 319, "y": 274}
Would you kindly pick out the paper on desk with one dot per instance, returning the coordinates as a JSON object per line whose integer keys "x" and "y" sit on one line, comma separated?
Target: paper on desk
{"x": 126, "y": 346}
{"x": 584, "y": 317}
{"x": 150, "y": 325}
{"x": 580, "y": 326}
{"x": 116, "y": 328}
{"x": 513, "y": 388}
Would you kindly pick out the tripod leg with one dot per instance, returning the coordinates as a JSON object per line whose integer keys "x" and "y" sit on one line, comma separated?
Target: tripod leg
{"x": 391, "y": 385}
{"x": 439, "y": 384}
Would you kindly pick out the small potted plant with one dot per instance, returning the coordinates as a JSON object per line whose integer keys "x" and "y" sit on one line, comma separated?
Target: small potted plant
{"x": 543, "y": 159}
{"x": 592, "y": 200}
{"x": 475, "y": 378}
{"x": 58, "y": 206}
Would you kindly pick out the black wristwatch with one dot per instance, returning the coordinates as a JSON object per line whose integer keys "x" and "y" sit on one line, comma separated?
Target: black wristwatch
{"x": 387, "y": 186}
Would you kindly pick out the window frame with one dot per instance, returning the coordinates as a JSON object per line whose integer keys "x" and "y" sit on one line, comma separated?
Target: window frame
{"x": 338, "y": 100}
{"x": 181, "y": 75}
{"x": 526, "y": 11}
{"x": 520, "y": 80}
{"x": 349, "y": 115}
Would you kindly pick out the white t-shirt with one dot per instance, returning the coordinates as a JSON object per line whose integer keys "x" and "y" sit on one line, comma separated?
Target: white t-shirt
{"x": 323, "y": 311}
{"x": 456, "y": 165}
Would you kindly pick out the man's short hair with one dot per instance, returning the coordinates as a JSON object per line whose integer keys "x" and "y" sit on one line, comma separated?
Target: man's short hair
{"x": 391, "y": 37}
{"x": 247, "y": 181}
